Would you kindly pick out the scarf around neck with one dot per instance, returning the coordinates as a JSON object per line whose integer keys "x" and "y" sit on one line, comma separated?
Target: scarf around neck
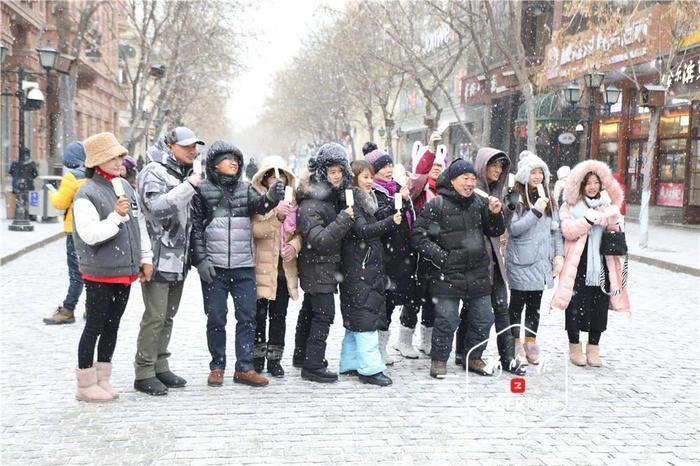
{"x": 390, "y": 187}
{"x": 594, "y": 260}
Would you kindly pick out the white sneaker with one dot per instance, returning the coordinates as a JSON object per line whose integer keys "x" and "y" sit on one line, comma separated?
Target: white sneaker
{"x": 404, "y": 345}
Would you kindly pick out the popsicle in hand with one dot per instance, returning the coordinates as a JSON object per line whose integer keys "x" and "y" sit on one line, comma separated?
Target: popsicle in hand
{"x": 540, "y": 191}
{"x": 605, "y": 197}
{"x": 511, "y": 180}
{"x": 481, "y": 193}
{"x": 349, "y": 199}
{"x": 118, "y": 186}
{"x": 398, "y": 202}
{"x": 288, "y": 194}
{"x": 197, "y": 167}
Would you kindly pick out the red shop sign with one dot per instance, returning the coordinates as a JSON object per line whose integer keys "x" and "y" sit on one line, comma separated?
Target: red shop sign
{"x": 670, "y": 194}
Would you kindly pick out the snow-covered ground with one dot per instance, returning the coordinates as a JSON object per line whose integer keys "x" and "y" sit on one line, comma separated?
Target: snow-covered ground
{"x": 641, "y": 408}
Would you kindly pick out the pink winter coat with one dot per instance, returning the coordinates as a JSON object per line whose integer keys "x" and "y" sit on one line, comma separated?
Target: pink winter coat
{"x": 575, "y": 233}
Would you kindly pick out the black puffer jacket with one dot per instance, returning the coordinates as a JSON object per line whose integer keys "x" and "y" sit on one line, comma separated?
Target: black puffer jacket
{"x": 221, "y": 212}
{"x": 362, "y": 291}
{"x": 321, "y": 221}
{"x": 399, "y": 255}
{"x": 449, "y": 232}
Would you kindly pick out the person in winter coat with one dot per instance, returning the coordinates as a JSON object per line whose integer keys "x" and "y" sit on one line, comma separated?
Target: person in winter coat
{"x": 74, "y": 160}
{"x": 492, "y": 166}
{"x": 534, "y": 254}
{"x": 399, "y": 257}
{"x": 251, "y": 169}
{"x": 166, "y": 187}
{"x": 362, "y": 291}
{"x": 129, "y": 172}
{"x": 224, "y": 254}
{"x": 113, "y": 250}
{"x": 450, "y": 232}
{"x": 324, "y": 219}
{"x": 422, "y": 188}
{"x": 277, "y": 244}
{"x": 585, "y": 215}
{"x": 562, "y": 175}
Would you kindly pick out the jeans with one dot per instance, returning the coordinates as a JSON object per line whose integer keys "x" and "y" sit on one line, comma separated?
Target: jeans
{"x": 240, "y": 284}
{"x": 75, "y": 279}
{"x": 531, "y": 300}
{"x": 105, "y": 304}
{"x": 499, "y": 303}
{"x": 277, "y": 310}
{"x": 162, "y": 300}
{"x": 479, "y": 322}
{"x": 360, "y": 352}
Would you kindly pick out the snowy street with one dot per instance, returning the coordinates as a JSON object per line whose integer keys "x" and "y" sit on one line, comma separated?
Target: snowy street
{"x": 642, "y": 407}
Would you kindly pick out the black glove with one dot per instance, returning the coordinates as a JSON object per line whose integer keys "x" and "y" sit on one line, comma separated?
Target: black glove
{"x": 206, "y": 271}
{"x": 276, "y": 192}
{"x": 512, "y": 199}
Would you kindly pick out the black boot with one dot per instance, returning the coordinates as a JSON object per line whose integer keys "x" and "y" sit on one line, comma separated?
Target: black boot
{"x": 258, "y": 364}
{"x": 378, "y": 379}
{"x": 151, "y": 386}
{"x": 171, "y": 380}
{"x": 319, "y": 375}
{"x": 274, "y": 367}
{"x": 514, "y": 367}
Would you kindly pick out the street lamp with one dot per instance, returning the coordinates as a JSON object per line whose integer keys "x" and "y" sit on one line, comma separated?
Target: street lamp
{"x": 572, "y": 94}
{"x": 593, "y": 80}
{"x": 47, "y": 57}
{"x": 610, "y": 96}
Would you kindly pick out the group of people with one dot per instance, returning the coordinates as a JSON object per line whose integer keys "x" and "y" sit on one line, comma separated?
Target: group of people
{"x": 446, "y": 241}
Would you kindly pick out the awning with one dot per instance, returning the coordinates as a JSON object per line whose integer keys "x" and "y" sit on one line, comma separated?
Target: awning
{"x": 548, "y": 108}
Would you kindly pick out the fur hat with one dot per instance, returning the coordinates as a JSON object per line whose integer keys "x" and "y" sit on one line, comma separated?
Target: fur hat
{"x": 329, "y": 155}
{"x": 379, "y": 159}
{"x": 102, "y": 148}
{"x": 563, "y": 172}
{"x": 528, "y": 162}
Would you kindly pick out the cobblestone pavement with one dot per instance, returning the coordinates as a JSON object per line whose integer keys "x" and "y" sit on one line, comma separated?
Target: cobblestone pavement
{"x": 641, "y": 408}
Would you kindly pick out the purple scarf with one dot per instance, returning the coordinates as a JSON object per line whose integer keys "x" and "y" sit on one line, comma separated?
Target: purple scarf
{"x": 390, "y": 188}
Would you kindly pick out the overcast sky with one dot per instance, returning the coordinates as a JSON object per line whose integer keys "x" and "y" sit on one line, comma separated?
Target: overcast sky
{"x": 280, "y": 26}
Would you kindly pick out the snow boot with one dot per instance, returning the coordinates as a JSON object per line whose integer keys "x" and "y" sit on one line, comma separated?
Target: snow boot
{"x": 520, "y": 355}
{"x": 88, "y": 390}
{"x": 104, "y": 372}
{"x": 60, "y": 316}
{"x": 388, "y": 359}
{"x": 274, "y": 368}
{"x": 438, "y": 369}
{"x": 404, "y": 345}
{"x": 426, "y": 339}
{"x": 532, "y": 353}
{"x": 592, "y": 356}
{"x": 576, "y": 355}
{"x": 378, "y": 379}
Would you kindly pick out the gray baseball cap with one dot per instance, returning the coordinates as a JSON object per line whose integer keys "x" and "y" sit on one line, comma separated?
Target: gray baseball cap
{"x": 183, "y": 136}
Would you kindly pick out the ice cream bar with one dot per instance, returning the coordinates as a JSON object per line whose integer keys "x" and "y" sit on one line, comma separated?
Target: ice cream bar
{"x": 118, "y": 187}
{"x": 288, "y": 193}
{"x": 605, "y": 197}
{"x": 480, "y": 192}
{"x": 540, "y": 190}
{"x": 511, "y": 180}
{"x": 349, "y": 199}
{"x": 277, "y": 173}
{"x": 398, "y": 202}
{"x": 197, "y": 166}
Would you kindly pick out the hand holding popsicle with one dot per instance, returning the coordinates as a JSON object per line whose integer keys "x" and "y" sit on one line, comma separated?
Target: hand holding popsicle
{"x": 118, "y": 186}
{"x": 288, "y": 194}
{"x": 349, "y": 198}
{"x": 540, "y": 191}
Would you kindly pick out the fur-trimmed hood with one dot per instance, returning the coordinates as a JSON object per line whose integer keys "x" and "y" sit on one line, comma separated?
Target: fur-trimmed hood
{"x": 331, "y": 154}
{"x": 483, "y": 157}
{"x": 268, "y": 163}
{"x": 608, "y": 183}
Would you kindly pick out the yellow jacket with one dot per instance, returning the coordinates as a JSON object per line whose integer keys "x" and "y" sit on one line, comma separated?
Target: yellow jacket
{"x": 63, "y": 198}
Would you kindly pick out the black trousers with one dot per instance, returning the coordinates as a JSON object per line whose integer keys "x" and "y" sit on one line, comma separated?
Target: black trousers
{"x": 531, "y": 301}
{"x": 105, "y": 304}
{"x": 409, "y": 313}
{"x": 313, "y": 325}
{"x": 277, "y": 312}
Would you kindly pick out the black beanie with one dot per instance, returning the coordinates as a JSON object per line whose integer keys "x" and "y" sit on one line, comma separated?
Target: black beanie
{"x": 460, "y": 167}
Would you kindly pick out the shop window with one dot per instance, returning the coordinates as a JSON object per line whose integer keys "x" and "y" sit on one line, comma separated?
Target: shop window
{"x": 695, "y": 174}
{"x": 676, "y": 123}
{"x": 608, "y": 153}
{"x": 671, "y": 172}
{"x": 608, "y": 131}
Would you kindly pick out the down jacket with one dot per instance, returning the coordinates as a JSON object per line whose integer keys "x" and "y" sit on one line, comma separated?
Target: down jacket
{"x": 362, "y": 291}
{"x": 165, "y": 197}
{"x": 268, "y": 231}
{"x": 74, "y": 160}
{"x": 322, "y": 222}
{"x": 450, "y": 232}
{"x": 221, "y": 211}
{"x": 575, "y": 233}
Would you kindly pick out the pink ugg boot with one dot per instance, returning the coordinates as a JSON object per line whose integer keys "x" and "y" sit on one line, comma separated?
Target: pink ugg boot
{"x": 88, "y": 390}
{"x": 104, "y": 372}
